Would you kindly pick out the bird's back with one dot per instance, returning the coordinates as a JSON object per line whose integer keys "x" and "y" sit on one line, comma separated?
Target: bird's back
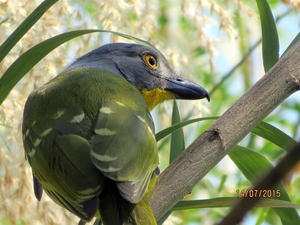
{"x": 86, "y": 133}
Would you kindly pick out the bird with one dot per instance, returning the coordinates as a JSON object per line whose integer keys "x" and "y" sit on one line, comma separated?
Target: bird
{"x": 89, "y": 136}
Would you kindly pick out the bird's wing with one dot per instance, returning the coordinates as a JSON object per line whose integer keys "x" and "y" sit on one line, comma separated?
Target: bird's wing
{"x": 99, "y": 127}
{"x": 124, "y": 146}
{"x": 58, "y": 149}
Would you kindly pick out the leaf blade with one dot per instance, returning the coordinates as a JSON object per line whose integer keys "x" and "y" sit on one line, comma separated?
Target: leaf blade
{"x": 229, "y": 202}
{"x": 274, "y": 135}
{"x": 270, "y": 41}
{"x": 165, "y": 132}
{"x": 177, "y": 137}
{"x": 32, "y": 56}
{"x": 22, "y": 29}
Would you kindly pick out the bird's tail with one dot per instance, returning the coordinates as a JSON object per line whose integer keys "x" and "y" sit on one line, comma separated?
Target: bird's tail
{"x": 115, "y": 210}
{"x": 142, "y": 214}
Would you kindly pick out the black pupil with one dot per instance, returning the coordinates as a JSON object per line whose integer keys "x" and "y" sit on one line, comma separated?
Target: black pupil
{"x": 152, "y": 61}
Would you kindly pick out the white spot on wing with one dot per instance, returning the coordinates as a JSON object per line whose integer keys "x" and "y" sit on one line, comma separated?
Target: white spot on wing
{"x": 59, "y": 114}
{"x": 37, "y": 142}
{"x": 90, "y": 191}
{"x": 26, "y": 132}
{"x": 103, "y": 158}
{"x": 141, "y": 119}
{"x": 109, "y": 169}
{"x": 106, "y": 110}
{"x": 148, "y": 127}
{"x": 77, "y": 119}
{"x": 45, "y": 132}
{"x": 32, "y": 152}
{"x": 105, "y": 131}
{"x": 121, "y": 104}
{"x": 151, "y": 132}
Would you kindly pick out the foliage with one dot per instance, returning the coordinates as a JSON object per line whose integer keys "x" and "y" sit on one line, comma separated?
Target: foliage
{"x": 256, "y": 153}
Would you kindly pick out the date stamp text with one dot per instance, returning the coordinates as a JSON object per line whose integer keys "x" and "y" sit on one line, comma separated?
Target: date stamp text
{"x": 253, "y": 193}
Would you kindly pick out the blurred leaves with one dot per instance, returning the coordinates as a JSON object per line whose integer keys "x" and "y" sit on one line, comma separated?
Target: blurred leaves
{"x": 252, "y": 159}
{"x": 12, "y": 40}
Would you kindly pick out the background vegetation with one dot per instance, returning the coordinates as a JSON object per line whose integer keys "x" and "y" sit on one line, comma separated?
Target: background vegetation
{"x": 215, "y": 43}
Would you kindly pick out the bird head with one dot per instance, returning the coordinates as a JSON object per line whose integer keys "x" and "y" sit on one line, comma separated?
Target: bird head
{"x": 143, "y": 67}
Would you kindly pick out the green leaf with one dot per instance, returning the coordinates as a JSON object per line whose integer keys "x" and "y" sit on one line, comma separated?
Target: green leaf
{"x": 163, "y": 133}
{"x": 31, "y": 57}
{"x": 229, "y": 202}
{"x": 263, "y": 129}
{"x": 11, "y": 41}
{"x": 250, "y": 163}
{"x": 270, "y": 42}
{"x": 164, "y": 218}
{"x": 274, "y": 135}
{"x": 253, "y": 165}
{"x": 177, "y": 137}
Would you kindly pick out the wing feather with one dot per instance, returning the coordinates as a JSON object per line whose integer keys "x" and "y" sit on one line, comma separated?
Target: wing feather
{"x": 124, "y": 147}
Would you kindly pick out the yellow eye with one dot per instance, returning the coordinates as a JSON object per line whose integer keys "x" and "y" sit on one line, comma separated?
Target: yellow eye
{"x": 151, "y": 61}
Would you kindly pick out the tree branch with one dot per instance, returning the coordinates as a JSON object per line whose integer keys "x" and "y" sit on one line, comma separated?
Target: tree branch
{"x": 209, "y": 148}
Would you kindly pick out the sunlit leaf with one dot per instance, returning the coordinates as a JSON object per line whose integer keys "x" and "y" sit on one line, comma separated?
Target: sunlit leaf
{"x": 270, "y": 42}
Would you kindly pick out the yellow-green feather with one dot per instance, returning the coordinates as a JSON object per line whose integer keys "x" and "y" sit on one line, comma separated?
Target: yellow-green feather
{"x": 73, "y": 127}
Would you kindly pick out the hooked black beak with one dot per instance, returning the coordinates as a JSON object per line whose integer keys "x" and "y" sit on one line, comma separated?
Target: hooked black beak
{"x": 185, "y": 89}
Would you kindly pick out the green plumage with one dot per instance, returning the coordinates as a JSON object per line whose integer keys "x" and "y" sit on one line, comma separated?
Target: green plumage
{"x": 89, "y": 137}
{"x": 62, "y": 161}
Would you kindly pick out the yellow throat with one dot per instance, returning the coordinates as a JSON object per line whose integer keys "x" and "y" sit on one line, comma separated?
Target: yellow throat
{"x": 156, "y": 96}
